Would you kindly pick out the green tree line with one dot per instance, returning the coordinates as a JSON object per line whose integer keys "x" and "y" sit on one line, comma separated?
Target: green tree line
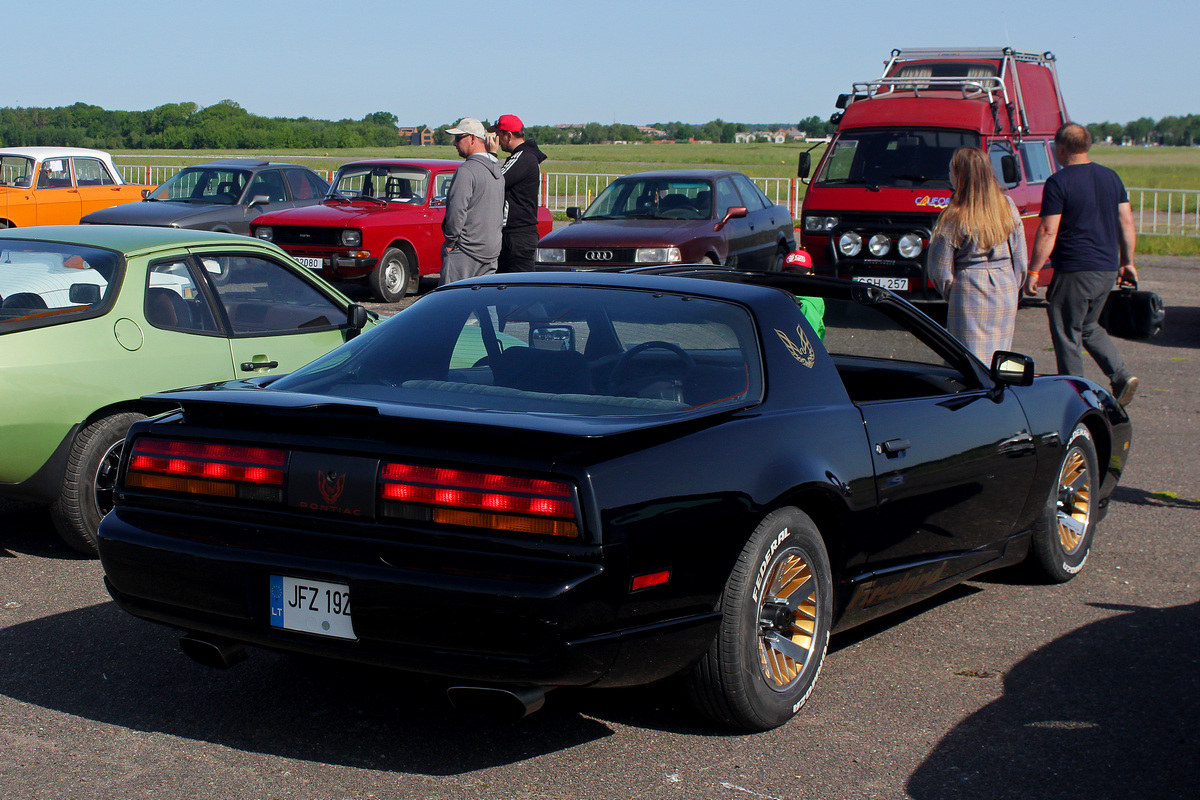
{"x": 226, "y": 125}
{"x": 1168, "y": 131}
{"x": 186, "y": 126}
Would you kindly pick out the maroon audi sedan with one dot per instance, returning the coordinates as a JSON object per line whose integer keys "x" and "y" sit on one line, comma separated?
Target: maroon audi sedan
{"x": 676, "y": 217}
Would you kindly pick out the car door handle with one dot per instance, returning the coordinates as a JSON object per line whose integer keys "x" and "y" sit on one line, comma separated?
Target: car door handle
{"x": 893, "y": 446}
{"x": 251, "y": 366}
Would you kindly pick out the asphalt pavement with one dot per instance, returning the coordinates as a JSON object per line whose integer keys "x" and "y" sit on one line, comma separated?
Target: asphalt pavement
{"x": 996, "y": 689}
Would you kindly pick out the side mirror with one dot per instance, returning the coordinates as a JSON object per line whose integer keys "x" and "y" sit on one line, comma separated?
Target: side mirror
{"x": 259, "y": 200}
{"x": 145, "y": 193}
{"x": 356, "y": 319}
{"x": 574, "y": 212}
{"x": 1008, "y": 166}
{"x": 734, "y": 212}
{"x": 843, "y": 100}
{"x": 1012, "y": 369}
{"x": 84, "y": 294}
{"x": 805, "y": 165}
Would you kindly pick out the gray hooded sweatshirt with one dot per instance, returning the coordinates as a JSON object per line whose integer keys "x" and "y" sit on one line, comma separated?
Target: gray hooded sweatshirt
{"x": 475, "y": 208}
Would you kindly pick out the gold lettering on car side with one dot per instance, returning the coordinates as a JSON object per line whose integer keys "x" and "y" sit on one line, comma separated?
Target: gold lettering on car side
{"x": 803, "y": 352}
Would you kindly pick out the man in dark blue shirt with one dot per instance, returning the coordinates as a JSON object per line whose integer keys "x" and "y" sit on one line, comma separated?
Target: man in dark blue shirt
{"x": 1087, "y": 232}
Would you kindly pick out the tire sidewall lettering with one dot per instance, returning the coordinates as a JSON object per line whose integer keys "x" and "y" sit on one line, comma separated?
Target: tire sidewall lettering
{"x": 765, "y": 563}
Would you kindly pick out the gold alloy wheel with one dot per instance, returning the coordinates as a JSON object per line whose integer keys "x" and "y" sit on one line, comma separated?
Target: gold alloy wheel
{"x": 787, "y": 620}
{"x": 1074, "y": 500}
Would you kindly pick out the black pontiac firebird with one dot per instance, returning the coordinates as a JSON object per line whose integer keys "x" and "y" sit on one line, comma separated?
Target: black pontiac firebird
{"x": 524, "y": 482}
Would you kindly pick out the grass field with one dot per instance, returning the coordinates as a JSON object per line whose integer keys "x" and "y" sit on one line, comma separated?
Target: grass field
{"x": 1141, "y": 167}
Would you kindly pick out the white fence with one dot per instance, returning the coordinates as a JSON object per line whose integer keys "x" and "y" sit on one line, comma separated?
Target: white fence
{"x": 1166, "y": 211}
{"x": 1155, "y": 211}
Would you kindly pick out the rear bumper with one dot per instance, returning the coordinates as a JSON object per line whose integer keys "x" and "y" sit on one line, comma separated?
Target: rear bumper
{"x": 494, "y": 618}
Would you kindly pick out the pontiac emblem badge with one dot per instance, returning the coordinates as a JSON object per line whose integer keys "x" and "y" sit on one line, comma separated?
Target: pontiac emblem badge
{"x": 331, "y": 485}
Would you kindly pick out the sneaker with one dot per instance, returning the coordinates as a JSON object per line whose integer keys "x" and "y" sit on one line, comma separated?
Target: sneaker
{"x": 1124, "y": 390}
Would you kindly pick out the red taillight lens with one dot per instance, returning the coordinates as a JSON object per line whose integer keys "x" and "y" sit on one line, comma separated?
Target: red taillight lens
{"x": 248, "y": 473}
{"x": 479, "y": 499}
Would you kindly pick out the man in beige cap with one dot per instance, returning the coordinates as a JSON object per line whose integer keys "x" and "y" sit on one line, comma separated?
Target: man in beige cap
{"x": 474, "y": 207}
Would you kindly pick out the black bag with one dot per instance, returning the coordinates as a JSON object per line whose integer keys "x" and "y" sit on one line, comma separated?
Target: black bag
{"x": 1132, "y": 314}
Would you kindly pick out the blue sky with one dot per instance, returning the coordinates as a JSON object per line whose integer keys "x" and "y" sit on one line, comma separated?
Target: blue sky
{"x": 632, "y": 61}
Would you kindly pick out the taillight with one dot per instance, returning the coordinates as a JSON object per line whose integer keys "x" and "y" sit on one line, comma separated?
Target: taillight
{"x": 244, "y": 473}
{"x": 478, "y": 499}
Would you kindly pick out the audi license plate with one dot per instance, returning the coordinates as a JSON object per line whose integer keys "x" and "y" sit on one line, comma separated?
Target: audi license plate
{"x": 311, "y": 263}
{"x": 299, "y": 604}
{"x": 895, "y": 284}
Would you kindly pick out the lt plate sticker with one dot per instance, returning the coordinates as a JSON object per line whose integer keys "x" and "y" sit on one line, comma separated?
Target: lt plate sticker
{"x": 311, "y": 606}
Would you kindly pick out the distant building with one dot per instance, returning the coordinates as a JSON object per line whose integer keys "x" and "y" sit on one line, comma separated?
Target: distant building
{"x": 775, "y": 137}
{"x": 421, "y": 136}
{"x": 653, "y": 133}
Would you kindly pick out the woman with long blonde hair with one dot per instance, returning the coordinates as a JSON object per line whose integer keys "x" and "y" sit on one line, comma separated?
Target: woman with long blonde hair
{"x": 977, "y": 256}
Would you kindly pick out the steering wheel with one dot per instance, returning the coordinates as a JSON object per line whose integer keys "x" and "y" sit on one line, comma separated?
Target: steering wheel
{"x": 680, "y": 213}
{"x": 654, "y": 382}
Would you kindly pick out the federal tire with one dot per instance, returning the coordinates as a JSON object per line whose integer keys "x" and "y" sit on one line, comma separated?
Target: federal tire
{"x": 87, "y": 489}
{"x": 777, "y": 606}
{"x": 391, "y": 278}
{"x": 1062, "y": 534}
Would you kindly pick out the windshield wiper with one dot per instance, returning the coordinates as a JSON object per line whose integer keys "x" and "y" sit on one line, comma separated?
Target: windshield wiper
{"x": 853, "y": 182}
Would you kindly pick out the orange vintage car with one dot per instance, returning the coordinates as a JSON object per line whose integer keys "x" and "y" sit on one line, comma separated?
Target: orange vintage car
{"x": 58, "y": 185}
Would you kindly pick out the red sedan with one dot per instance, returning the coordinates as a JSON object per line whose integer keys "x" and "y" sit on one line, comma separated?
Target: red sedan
{"x": 382, "y": 222}
{"x": 677, "y": 217}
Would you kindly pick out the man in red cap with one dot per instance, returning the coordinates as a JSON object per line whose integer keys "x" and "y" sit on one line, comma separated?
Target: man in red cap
{"x": 522, "y": 179}
{"x": 813, "y": 308}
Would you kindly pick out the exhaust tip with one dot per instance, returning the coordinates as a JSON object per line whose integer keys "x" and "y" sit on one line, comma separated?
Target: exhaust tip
{"x": 214, "y": 653}
{"x": 513, "y": 702}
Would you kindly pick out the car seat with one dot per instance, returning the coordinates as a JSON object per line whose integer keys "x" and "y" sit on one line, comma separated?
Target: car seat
{"x": 553, "y": 371}
{"x": 23, "y": 300}
{"x": 166, "y": 309}
{"x": 674, "y": 201}
{"x": 226, "y": 192}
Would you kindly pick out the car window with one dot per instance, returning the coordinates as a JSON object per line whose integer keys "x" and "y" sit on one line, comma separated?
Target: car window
{"x": 262, "y": 296}
{"x": 654, "y": 198}
{"x": 174, "y": 301}
{"x": 727, "y": 197}
{"x": 16, "y": 171}
{"x": 441, "y": 185}
{"x": 268, "y": 182}
{"x": 54, "y": 174}
{"x": 1036, "y": 159}
{"x": 204, "y": 184}
{"x": 396, "y": 183}
{"x": 880, "y": 356}
{"x": 558, "y": 350}
{"x": 91, "y": 172}
{"x": 900, "y": 158}
{"x": 304, "y": 184}
{"x": 754, "y": 199}
{"x": 45, "y": 284}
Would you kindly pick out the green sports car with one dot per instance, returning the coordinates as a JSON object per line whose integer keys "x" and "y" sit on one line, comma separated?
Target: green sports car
{"x": 94, "y": 317}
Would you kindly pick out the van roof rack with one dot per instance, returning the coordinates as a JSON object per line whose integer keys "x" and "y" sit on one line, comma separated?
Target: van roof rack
{"x": 993, "y": 87}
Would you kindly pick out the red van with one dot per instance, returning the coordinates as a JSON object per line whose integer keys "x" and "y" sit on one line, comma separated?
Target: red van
{"x": 872, "y": 204}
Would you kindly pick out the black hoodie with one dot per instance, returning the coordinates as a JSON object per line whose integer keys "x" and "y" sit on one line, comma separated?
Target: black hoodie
{"x": 522, "y": 179}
